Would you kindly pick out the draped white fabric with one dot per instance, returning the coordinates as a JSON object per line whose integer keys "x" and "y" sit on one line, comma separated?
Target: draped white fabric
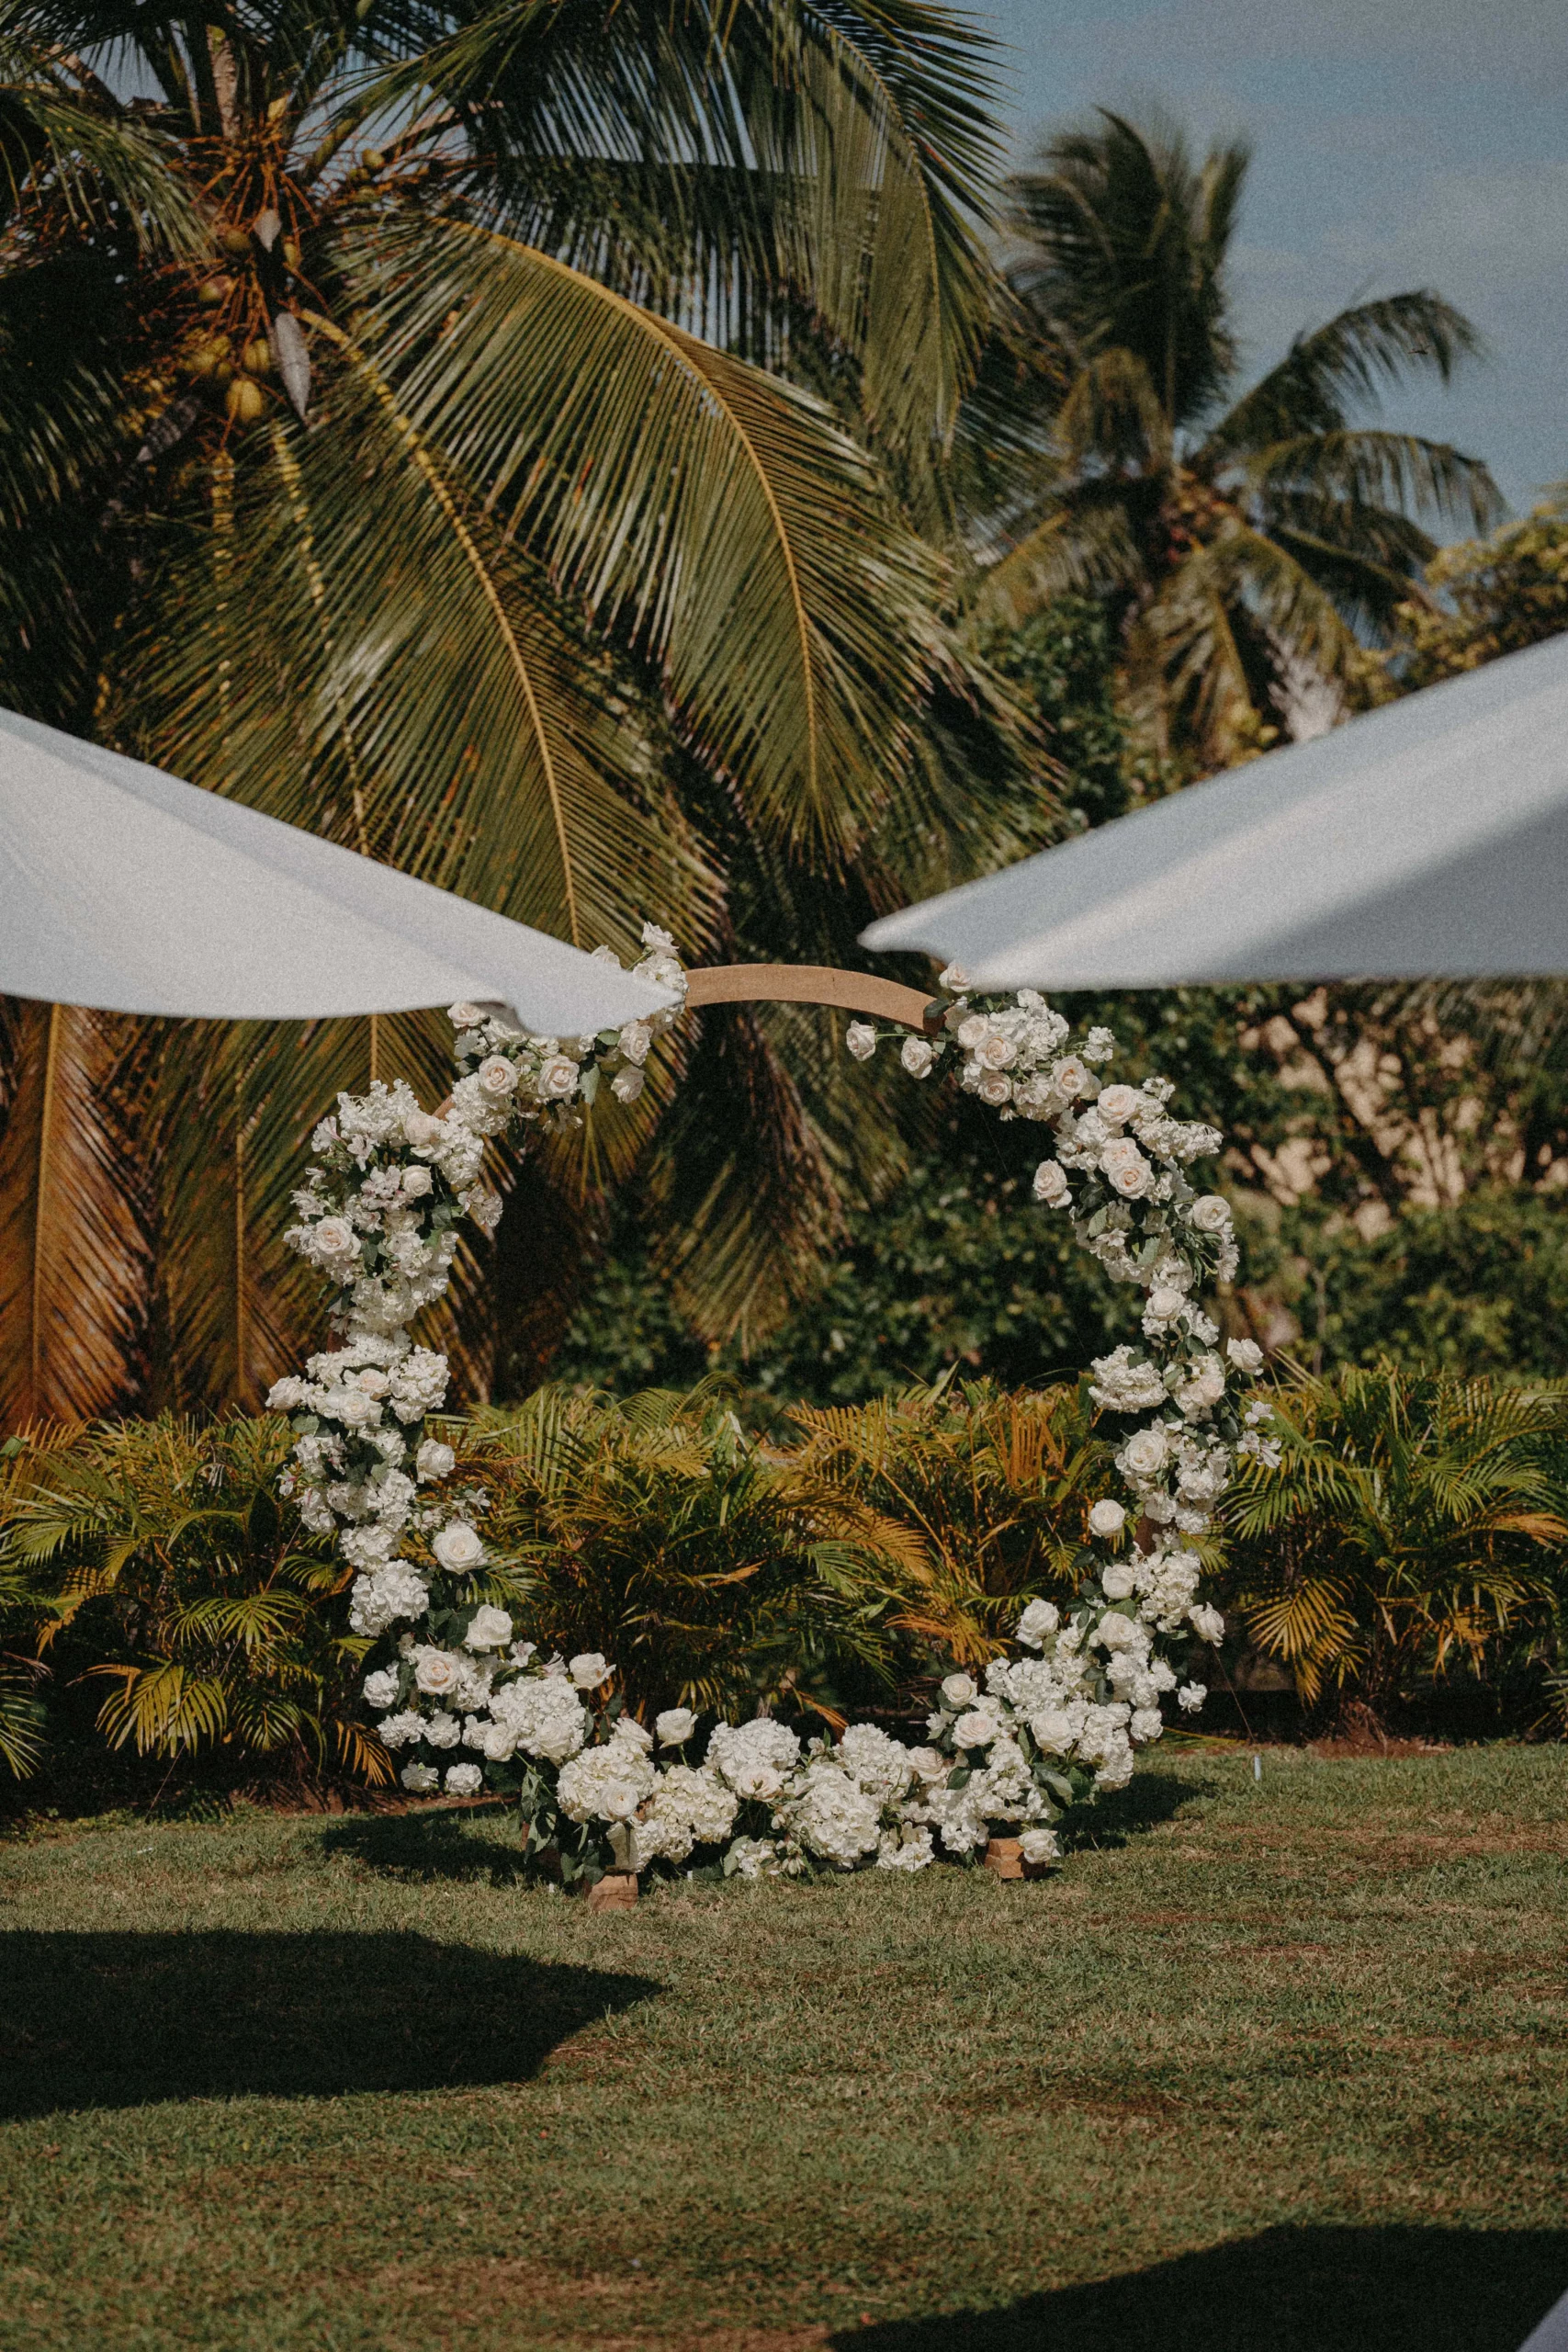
{"x": 1428, "y": 839}
{"x": 123, "y": 889}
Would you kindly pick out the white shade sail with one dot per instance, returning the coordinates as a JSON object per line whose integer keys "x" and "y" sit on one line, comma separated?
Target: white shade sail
{"x": 1428, "y": 839}
{"x": 123, "y": 889}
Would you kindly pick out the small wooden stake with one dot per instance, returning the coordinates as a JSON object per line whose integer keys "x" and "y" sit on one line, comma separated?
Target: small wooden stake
{"x": 1004, "y": 1857}
{"x": 616, "y": 1890}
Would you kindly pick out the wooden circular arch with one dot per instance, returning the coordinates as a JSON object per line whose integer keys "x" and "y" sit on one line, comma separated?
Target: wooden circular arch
{"x": 812, "y": 984}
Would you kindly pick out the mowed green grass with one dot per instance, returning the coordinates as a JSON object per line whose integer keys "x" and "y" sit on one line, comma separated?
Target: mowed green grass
{"x": 1276, "y": 2066}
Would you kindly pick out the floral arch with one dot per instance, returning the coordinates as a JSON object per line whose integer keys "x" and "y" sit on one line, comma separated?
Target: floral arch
{"x": 468, "y": 1706}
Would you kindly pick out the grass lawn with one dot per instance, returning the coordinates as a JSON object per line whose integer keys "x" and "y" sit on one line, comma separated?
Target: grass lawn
{"x": 1277, "y": 2068}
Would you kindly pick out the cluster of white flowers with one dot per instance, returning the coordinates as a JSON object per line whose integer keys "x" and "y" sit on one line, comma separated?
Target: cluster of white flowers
{"x": 1119, "y": 1173}
{"x": 468, "y": 1706}
{"x": 1006, "y": 1754}
{"x": 378, "y": 1216}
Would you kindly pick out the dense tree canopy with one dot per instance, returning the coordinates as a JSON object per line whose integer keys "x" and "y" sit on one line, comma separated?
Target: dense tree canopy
{"x": 492, "y": 437}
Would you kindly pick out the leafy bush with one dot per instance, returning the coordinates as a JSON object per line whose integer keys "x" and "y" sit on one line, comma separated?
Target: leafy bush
{"x": 161, "y": 1562}
{"x": 993, "y": 1487}
{"x": 712, "y": 1570}
{"x": 1414, "y": 1529}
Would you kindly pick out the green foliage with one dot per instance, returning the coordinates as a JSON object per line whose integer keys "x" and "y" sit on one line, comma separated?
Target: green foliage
{"x": 161, "y": 1560}
{"x": 1478, "y": 1288}
{"x": 1064, "y": 657}
{"x": 1488, "y": 597}
{"x": 711, "y": 1571}
{"x": 994, "y": 1488}
{"x": 1415, "y": 1527}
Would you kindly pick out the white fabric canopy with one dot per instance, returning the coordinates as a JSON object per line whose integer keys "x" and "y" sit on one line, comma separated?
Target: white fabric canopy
{"x": 124, "y": 888}
{"x": 1428, "y": 839}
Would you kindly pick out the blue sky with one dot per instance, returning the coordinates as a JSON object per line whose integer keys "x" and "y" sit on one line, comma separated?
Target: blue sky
{"x": 1397, "y": 143}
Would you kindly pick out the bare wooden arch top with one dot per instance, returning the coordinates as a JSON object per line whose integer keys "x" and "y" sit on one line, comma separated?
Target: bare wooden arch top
{"x": 810, "y": 984}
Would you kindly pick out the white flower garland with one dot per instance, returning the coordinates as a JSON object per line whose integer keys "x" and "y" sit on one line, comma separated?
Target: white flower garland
{"x": 476, "y": 1708}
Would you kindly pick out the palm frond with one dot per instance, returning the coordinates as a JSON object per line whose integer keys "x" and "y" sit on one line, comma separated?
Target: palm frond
{"x": 73, "y": 1241}
{"x": 1354, "y": 357}
{"x": 764, "y": 575}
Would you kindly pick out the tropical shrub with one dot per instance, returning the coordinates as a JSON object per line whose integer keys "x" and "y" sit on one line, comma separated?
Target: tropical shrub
{"x": 715, "y": 1572}
{"x": 994, "y": 1487}
{"x": 1412, "y": 1529}
{"x": 161, "y": 1566}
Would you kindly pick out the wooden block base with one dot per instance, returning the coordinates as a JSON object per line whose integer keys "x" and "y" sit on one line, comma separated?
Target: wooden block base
{"x": 616, "y": 1890}
{"x": 1004, "y": 1857}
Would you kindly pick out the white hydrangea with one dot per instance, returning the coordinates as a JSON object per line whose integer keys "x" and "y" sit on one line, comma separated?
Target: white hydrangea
{"x": 607, "y": 1783}
{"x": 877, "y": 1763}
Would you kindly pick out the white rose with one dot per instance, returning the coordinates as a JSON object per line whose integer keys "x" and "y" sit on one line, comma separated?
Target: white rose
{"x": 928, "y": 1763}
{"x": 557, "y": 1078}
{"x": 435, "y": 1460}
{"x": 458, "y": 1548}
{"x": 1051, "y": 1183}
{"x": 959, "y": 1689}
{"x": 996, "y": 1053}
{"x": 635, "y": 1041}
{"x": 437, "y": 1672}
{"x": 674, "y": 1726}
{"x": 589, "y": 1669}
{"x": 1245, "y": 1354}
{"x": 1052, "y": 1731}
{"x": 1107, "y": 1518}
{"x": 861, "y": 1039}
{"x": 1131, "y": 1176}
{"x": 1116, "y": 1105}
{"x": 497, "y": 1075}
{"x": 374, "y": 1382}
{"x": 953, "y": 979}
{"x": 977, "y": 1729}
{"x": 334, "y": 1237}
{"x": 423, "y": 1132}
{"x": 1210, "y": 1213}
{"x": 631, "y": 1733}
{"x": 917, "y": 1054}
{"x": 994, "y": 1088}
{"x": 1115, "y": 1631}
{"x": 1071, "y": 1076}
{"x": 1207, "y": 1623}
{"x": 1039, "y": 1845}
{"x": 489, "y": 1629}
{"x": 1144, "y": 1452}
{"x": 1118, "y": 1579}
{"x": 756, "y": 1781}
{"x": 464, "y": 1015}
{"x": 353, "y": 1408}
{"x": 1039, "y": 1619}
{"x": 1166, "y": 1303}
{"x": 417, "y": 1182}
{"x": 973, "y": 1032}
{"x": 627, "y": 1084}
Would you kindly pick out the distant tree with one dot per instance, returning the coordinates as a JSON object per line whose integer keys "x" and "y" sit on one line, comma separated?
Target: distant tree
{"x": 1250, "y": 544}
{"x": 1488, "y": 597}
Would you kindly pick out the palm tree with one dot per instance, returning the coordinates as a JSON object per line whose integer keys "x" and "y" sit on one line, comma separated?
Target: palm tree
{"x": 486, "y": 435}
{"x": 1255, "y": 541}
{"x": 1413, "y": 1524}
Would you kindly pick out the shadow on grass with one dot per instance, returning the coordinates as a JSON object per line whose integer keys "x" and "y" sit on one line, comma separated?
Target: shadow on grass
{"x": 124, "y": 2020}
{"x": 1151, "y": 1798}
{"x": 1291, "y": 2290}
{"x": 428, "y": 1846}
